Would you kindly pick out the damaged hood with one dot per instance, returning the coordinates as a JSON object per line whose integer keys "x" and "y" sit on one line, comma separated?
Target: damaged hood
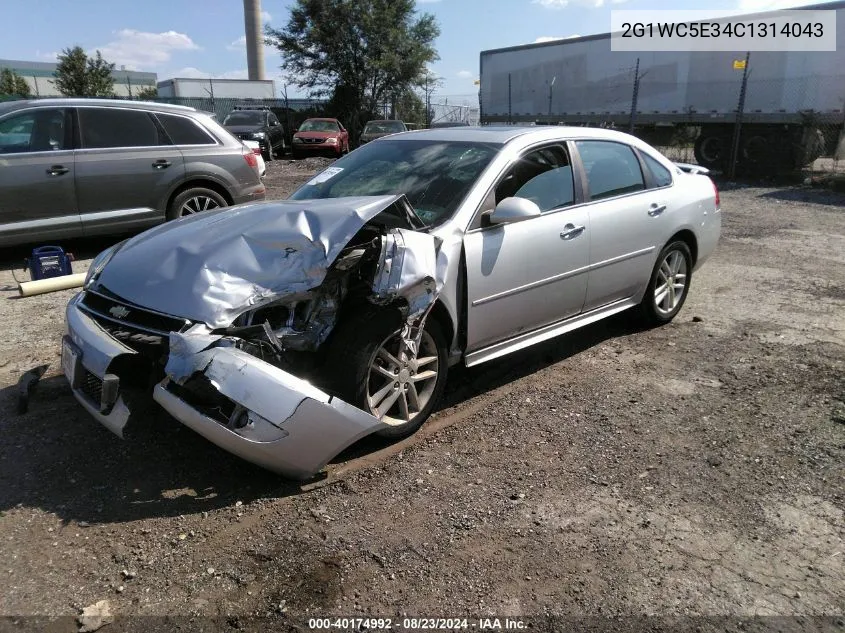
{"x": 213, "y": 266}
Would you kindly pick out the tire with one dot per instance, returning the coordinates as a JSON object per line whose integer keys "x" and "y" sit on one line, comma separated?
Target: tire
{"x": 657, "y": 307}
{"x": 193, "y": 200}
{"x": 267, "y": 154}
{"x": 358, "y": 369}
{"x": 711, "y": 151}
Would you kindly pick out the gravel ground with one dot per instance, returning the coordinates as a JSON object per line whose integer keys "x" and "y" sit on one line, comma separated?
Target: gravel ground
{"x": 694, "y": 469}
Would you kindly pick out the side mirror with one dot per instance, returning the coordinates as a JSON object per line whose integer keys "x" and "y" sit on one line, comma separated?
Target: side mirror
{"x": 514, "y": 210}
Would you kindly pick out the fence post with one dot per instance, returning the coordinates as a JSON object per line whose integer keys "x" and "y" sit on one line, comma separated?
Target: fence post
{"x": 634, "y": 97}
{"x": 734, "y": 157}
{"x": 510, "y": 120}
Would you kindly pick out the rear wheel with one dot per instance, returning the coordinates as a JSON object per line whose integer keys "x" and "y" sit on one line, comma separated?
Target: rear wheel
{"x": 375, "y": 370}
{"x": 194, "y": 200}
{"x": 669, "y": 284}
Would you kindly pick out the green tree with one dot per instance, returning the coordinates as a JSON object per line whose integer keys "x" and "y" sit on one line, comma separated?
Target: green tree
{"x": 148, "y": 92}
{"x": 410, "y": 108}
{"x": 78, "y": 75}
{"x": 11, "y": 83}
{"x": 364, "y": 51}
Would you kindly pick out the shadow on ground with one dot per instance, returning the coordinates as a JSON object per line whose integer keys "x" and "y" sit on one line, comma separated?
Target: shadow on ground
{"x": 57, "y": 458}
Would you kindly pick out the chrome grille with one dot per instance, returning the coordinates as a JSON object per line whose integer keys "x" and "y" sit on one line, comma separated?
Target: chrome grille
{"x": 110, "y": 308}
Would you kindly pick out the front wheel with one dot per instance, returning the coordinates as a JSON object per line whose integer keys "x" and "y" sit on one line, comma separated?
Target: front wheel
{"x": 669, "y": 284}
{"x": 375, "y": 370}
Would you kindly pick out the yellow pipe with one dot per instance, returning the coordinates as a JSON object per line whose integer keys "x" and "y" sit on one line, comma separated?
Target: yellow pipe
{"x": 40, "y": 286}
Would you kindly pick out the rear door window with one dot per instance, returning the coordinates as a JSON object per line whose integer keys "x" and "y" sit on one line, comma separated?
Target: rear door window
{"x": 114, "y": 127}
{"x": 184, "y": 131}
{"x": 612, "y": 168}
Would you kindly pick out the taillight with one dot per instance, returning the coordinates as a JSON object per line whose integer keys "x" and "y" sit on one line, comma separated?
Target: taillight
{"x": 716, "y": 191}
{"x": 250, "y": 158}
{"x": 256, "y": 151}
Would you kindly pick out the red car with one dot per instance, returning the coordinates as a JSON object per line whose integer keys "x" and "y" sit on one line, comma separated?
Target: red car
{"x": 320, "y": 136}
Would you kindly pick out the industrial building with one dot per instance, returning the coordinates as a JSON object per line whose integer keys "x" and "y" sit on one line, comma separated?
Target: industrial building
{"x": 216, "y": 88}
{"x": 41, "y": 78}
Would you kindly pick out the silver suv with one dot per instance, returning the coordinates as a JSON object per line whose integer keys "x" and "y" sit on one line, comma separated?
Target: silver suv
{"x": 80, "y": 167}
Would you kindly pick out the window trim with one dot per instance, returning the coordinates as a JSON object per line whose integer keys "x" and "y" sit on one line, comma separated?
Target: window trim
{"x": 195, "y": 122}
{"x": 70, "y": 127}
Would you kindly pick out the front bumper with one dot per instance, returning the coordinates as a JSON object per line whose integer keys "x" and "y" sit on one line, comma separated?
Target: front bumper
{"x": 293, "y": 428}
{"x": 315, "y": 148}
{"x": 95, "y": 350}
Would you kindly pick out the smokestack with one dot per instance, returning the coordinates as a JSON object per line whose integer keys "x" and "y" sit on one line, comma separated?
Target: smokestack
{"x": 254, "y": 39}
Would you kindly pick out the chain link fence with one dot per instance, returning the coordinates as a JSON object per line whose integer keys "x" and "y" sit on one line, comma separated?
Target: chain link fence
{"x": 755, "y": 120}
{"x": 457, "y": 109}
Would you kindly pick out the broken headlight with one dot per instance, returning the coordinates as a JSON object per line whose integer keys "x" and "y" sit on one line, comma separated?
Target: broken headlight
{"x": 99, "y": 263}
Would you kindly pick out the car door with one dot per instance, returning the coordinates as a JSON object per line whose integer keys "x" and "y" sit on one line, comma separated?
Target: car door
{"x": 125, "y": 167}
{"x": 624, "y": 221}
{"x": 276, "y": 132}
{"x": 37, "y": 197}
{"x": 524, "y": 275}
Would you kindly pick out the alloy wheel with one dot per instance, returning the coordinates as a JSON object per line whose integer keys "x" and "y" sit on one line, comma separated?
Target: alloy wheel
{"x": 198, "y": 204}
{"x": 671, "y": 283}
{"x": 400, "y": 383}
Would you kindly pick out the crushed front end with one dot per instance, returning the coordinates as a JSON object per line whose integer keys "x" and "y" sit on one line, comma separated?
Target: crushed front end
{"x": 246, "y": 375}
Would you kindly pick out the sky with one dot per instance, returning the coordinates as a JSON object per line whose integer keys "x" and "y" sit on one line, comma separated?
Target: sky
{"x": 204, "y": 38}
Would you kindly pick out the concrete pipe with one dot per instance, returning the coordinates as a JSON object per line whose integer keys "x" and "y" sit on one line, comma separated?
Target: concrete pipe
{"x": 40, "y": 286}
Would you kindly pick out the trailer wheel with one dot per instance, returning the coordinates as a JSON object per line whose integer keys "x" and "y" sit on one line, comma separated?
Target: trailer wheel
{"x": 710, "y": 151}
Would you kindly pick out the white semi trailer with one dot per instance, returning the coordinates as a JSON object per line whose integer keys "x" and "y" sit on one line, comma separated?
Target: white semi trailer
{"x": 794, "y": 102}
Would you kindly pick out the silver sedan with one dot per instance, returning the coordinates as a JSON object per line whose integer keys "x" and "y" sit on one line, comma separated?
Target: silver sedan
{"x": 285, "y": 331}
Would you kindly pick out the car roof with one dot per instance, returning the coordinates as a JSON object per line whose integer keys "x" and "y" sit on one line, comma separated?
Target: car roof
{"x": 384, "y": 121}
{"x": 19, "y": 104}
{"x": 321, "y": 118}
{"x": 507, "y": 133}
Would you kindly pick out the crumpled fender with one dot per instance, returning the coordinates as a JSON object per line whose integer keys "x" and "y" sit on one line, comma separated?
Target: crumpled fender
{"x": 294, "y": 428}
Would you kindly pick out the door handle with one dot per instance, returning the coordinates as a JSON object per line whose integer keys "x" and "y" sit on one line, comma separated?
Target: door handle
{"x": 654, "y": 210}
{"x": 161, "y": 164}
{"x": 57, "y": 170}
{"x": 571, "y": 231}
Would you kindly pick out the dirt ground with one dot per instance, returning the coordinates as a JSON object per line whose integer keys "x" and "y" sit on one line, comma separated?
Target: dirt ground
{"x": 690, "y": 470}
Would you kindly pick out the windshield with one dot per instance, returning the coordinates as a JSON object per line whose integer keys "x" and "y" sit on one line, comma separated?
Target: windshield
{"x": 319, "y": 126}
{"x": 434, "y": 175}
{"x": 384, "y": 127}
{"x": 244, "y": 118}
